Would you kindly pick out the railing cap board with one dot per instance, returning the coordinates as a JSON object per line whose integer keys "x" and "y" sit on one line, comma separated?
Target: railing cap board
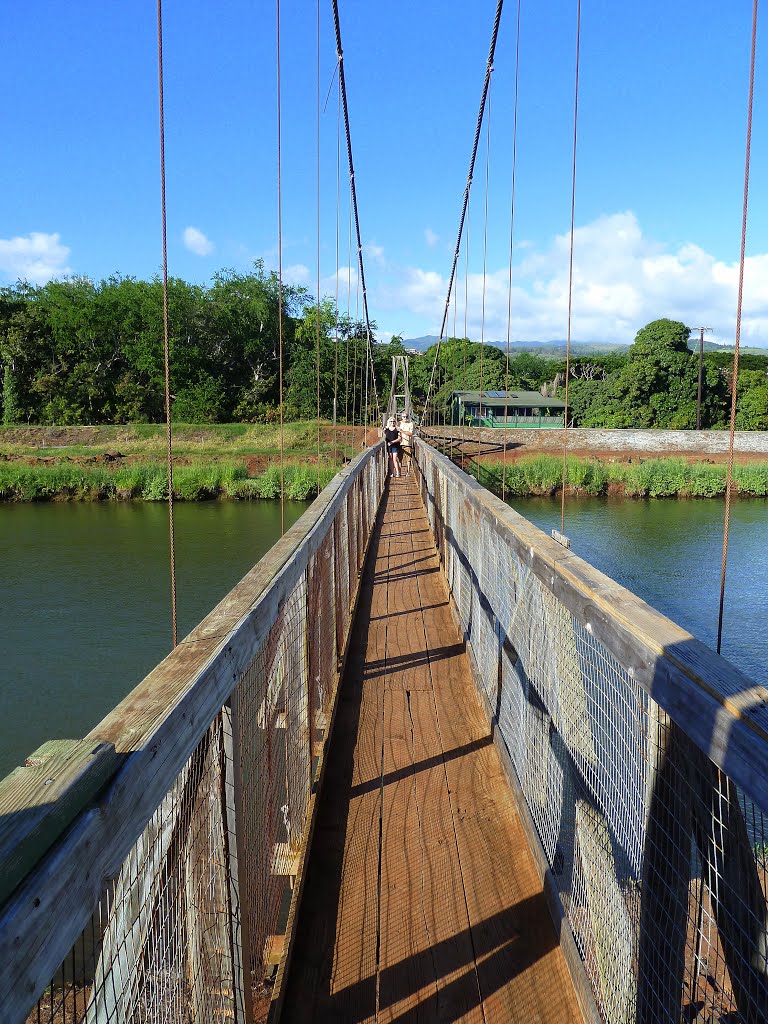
{"x": 42, "y": 797}
{"x": 139, "y": 747}
{"x": 718, "y": 706}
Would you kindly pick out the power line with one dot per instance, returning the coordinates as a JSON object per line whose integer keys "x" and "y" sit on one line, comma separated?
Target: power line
{"x": 701, "y": 372}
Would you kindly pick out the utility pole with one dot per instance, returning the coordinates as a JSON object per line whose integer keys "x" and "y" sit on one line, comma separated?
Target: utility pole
{"x": 701, "y": 370}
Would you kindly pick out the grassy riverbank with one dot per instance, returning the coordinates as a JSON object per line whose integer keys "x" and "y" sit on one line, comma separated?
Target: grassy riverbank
{"x": 148, "y": 482}
{"x": 122, "y": 463}
{"x": 148, "y": 439}
{"x": 649, "y": 478}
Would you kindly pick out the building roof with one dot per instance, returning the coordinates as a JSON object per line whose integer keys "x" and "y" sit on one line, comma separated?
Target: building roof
{"x": 513, "y": 399}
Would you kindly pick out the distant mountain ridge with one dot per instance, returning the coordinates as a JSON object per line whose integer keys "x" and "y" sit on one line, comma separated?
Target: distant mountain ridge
{"x": 556, "y": 349}
{"x": 543, "y": 348}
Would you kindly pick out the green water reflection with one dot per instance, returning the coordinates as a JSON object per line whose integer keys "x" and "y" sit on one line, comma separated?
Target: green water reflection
{"x": 86, "y": 602}
{"x": 669, "y": 553}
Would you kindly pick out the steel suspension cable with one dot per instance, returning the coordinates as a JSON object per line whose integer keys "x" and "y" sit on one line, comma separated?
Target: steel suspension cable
{"x": 466, "y": 314}
{"x": 734, "y": 384}
{"x": 280, "y": 277}
{"x": 511, "y": 252}
{"x": 453, "y": 367}
{"x": 166, "y": 343}
{"x": 485, "y": 267}
{"x": 349, "y": 314}
{"x": 478, "y": 128}
{"x": 342, "y": 82}
{"x": 570, "y": 262}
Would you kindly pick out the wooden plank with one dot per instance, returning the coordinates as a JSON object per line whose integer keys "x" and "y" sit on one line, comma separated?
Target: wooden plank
{"x": 444, "y": 904}
{"x": 349, "y": 651}
{"x": 334, "y": 960}
{"x": 520, "y": 967}
{"x": 40, "y": 799}
{"x": 429, "y": 939}
{"x": 440, "y": 893}
{"x": 407, "y": 983}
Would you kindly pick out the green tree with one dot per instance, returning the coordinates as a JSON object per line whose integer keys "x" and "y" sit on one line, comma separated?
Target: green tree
{"x": 11, "y": 410}
{"x": 752, "y": 400}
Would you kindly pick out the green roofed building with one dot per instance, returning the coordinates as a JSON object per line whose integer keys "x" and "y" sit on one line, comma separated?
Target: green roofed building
{"x": 505, "y": 409}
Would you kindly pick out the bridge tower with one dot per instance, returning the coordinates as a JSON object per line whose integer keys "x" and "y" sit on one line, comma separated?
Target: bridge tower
{"x": 399, "y": 401}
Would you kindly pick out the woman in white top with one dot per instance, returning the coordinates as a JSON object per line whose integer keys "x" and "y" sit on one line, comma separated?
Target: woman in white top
{"x": 406, "y": 441}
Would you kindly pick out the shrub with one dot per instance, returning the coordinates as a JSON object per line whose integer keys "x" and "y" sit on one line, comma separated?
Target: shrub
{"x": 300, "y": 483}
{"x": 244, "y": 489}
{"x": 129, "y": 481}
{"x": 268, "y": 484}
{"x": 707, "y": 481}
{"x": 543, "y": 474}
{"x": 155, "y": 486}
{"x": 752, "y": 478}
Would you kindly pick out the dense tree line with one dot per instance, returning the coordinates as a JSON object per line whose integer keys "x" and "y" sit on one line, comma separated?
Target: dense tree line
{"x": 76, "y": 351}
{"x": 654, "y": 385}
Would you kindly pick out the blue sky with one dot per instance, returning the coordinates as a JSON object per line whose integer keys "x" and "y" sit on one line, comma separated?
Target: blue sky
{"x": 660, "y": 158}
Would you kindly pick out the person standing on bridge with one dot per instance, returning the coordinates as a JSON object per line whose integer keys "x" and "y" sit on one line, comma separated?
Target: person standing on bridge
{"x": 392, "y": 439}
{"x": 406, "y": 442}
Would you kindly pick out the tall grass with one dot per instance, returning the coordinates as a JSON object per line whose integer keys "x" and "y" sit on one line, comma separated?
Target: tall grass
{"x": 651, "y": 478}
{"x": 149, "y": 482}
{"x": 150, "y": 439}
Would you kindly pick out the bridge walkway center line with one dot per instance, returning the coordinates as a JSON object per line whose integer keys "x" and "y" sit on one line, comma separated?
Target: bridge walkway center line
{"x": 422, "y": 902}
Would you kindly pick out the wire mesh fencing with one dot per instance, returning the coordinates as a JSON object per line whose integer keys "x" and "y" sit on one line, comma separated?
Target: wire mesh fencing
{"x": 195, "y": 918}
{"x": 640, "y": 756}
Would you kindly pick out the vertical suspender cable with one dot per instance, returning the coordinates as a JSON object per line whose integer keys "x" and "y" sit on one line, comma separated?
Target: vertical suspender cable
{"x": 734, "y": 384}
{"x": 336, "y": 275}
{"x": 570, "y": 262}
{"x": 349, "y": 315}
{"x": 166, "y": 346}
{"x": 478, "y": 128}
{"x": 511, "y": 251}
{"x": 280, "y": 278}
{"x": 317, "y": 326}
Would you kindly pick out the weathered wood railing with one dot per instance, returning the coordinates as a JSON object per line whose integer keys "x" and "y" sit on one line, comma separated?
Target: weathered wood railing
{"x": 150, "y": 872}
{"x": 640, "y": 759}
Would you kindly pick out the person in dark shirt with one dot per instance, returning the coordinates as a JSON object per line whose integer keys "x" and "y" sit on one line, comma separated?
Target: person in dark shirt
{"x": 392, "y": 439}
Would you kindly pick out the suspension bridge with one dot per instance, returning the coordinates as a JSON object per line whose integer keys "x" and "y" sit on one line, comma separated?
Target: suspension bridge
{"x": 423, "y": 763}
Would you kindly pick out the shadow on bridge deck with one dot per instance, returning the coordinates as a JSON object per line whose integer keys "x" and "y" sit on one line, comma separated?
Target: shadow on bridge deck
{"x": 422, "y": 901}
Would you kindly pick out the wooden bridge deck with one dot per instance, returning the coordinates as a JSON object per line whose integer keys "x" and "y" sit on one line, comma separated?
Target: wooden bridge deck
{"x": 422, "y": 902}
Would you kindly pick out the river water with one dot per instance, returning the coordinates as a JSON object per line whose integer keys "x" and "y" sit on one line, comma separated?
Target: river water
{"x": 86, "y": 601}
{"x": 86, "y": 597}
{"x": 669, "y": 553}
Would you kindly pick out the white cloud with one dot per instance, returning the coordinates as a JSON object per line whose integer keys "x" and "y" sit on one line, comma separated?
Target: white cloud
{"x": 374, "y": 254}
{"x": 297, "y": 274}
{"x": 196, "y": 242}
{"x": 621, "y": 281}
{"x": 37, "y": 257}
{"x": 431, "y": 238}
